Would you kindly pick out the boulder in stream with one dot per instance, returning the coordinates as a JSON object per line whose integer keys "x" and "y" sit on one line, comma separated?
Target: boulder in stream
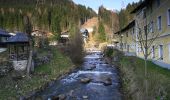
{"x": 71, "y": 93}
{"x": 108, "y": 82}
{"x": 85, "y": 80}
{"x": 59, "y": 97}
{"x": 85, "y": 97}
{"x": 91, "y": 67}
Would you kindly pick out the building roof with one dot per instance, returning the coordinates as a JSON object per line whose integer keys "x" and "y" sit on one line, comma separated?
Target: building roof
{"x": 4, "y": 33}
{"x": 143, "y": 4}
{"x": 130, "y": 25}
{"x": 18, "y": 38}
{"x": 65, "y": 34}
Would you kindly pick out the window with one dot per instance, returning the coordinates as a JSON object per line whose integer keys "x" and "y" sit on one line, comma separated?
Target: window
{"x": 159, "y": 23}
{"x": 128, "y": 48}
{"x": 158, "y": 2}
{"x": 153, "y": 52}
{"x": 168, "y": 16}
{"x": 127, "y": 34}
{"x": 161, "y": 52}
{"x": 138, "y": 49}
{"x": 151, "y": 27}
{"x": 125, "y": 45}
{"x": 145, "y": 29}
{"x": 144, "y": 13}
{"x": 133, "y": 31}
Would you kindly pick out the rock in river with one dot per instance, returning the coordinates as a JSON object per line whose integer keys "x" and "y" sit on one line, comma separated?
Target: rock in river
{"x": 59, "y": 97}
{"x": 91, "y": 67}
{"x": 85, "y": 80}
{"x": 108, "y": 82}
{"x": 85, "y": 97}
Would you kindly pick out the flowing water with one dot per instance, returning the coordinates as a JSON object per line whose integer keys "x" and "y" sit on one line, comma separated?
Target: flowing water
{"x": 95, "y": 69}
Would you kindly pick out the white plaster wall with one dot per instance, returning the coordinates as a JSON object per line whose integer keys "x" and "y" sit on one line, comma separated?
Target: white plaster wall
{"x": 2, "y": 49}
{"x": 20, "y": 65}
{"x": 162, "y": 64}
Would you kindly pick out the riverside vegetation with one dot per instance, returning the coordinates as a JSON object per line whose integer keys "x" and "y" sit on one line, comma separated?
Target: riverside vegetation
{"x": 43, "y": 74}
{"x": 52, "y": 16}
{"x": 133, "y": 78}
{"x": 58, "y": 64}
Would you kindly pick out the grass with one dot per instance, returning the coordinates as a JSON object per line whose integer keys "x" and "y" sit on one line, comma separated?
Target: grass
{"x": 133, "y": 79}
{"x": 59, "y": 65}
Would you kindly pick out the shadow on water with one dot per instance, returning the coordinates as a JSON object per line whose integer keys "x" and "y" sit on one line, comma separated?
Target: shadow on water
{"x": 95, "y": 80}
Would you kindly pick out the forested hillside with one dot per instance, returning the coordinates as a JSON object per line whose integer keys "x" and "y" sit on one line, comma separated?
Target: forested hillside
{"x": 108, "y": 23}
{"x": 51, "y": 15}
{"x": 119, "y": 19}
{"x": 108, "y": 17}
{"x": 125, "y": 15}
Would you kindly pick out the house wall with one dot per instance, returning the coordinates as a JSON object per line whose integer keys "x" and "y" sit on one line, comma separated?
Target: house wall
{"x": 20, "y": 65}
{"x": 152, "y": 14}
{"x": 128, "y": 39}
{"x": 116, "y": 40}
{"x": 129, "y": 46}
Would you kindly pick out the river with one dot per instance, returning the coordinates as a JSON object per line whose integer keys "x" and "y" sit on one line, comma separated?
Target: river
{"x": 94, "y": 80}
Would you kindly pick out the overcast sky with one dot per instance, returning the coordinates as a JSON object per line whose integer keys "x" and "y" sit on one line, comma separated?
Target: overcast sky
{"x": 109, "y": 4}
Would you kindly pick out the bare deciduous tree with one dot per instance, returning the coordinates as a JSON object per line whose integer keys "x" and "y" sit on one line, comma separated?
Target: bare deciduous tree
{"x": 28, "y": 30}
{"x": 147, "y": 34}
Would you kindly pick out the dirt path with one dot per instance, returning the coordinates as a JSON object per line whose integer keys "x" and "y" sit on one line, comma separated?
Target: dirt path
{"x": 89, "y": 25}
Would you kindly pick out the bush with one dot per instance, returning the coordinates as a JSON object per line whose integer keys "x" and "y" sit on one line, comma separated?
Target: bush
{"x": 75, "y": 48}
{"x": 102, "y": 33}
{"x": 133, "y": 79}
{"x": 108, "y": 52}
{"x": 113, "y": 53}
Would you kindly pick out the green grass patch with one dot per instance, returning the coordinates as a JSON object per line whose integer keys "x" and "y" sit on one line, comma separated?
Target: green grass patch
{"x": 134, "y": 80}
{"x": 59, "y": 65}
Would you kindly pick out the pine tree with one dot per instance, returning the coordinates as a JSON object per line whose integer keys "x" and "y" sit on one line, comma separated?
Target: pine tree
{"x": 101, "y": 31}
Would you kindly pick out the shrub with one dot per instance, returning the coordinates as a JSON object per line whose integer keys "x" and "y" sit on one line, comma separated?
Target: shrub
{"x": 113, "y": 53}
{"x": 102, "y": 33}
{"x": 133, "y": 78}
{"x": 75, "y": 48}
{"x": 108, "y": 52}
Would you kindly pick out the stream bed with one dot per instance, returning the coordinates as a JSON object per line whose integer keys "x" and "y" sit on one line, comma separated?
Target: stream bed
{"x": 94, "y": 80}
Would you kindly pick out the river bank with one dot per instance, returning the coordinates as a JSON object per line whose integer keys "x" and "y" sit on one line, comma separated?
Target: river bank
{"x": 94, "y": 80}
{"x": 24, "y": 87}
{"x": 134, "y": 81}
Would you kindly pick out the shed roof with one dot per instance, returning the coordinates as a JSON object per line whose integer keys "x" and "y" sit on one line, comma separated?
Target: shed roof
{"x": 18, "y": 38}
{"x": 4, "y": 33}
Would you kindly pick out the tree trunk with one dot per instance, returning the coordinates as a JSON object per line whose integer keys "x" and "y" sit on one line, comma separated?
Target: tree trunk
{"x": 146, "y": 78}
{"x": 146, "y": 66}
{"x": 29, "y": 64}
{"x": 28, "y": 30}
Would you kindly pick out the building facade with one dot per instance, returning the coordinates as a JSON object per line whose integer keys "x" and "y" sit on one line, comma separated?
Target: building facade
{"x": 126, "y": 38}
{"x": 152, "y": 31}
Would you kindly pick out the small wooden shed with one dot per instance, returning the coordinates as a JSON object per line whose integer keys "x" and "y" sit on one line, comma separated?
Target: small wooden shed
{"x": 18, "y": 47}
{"x": 64, "y": 37}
